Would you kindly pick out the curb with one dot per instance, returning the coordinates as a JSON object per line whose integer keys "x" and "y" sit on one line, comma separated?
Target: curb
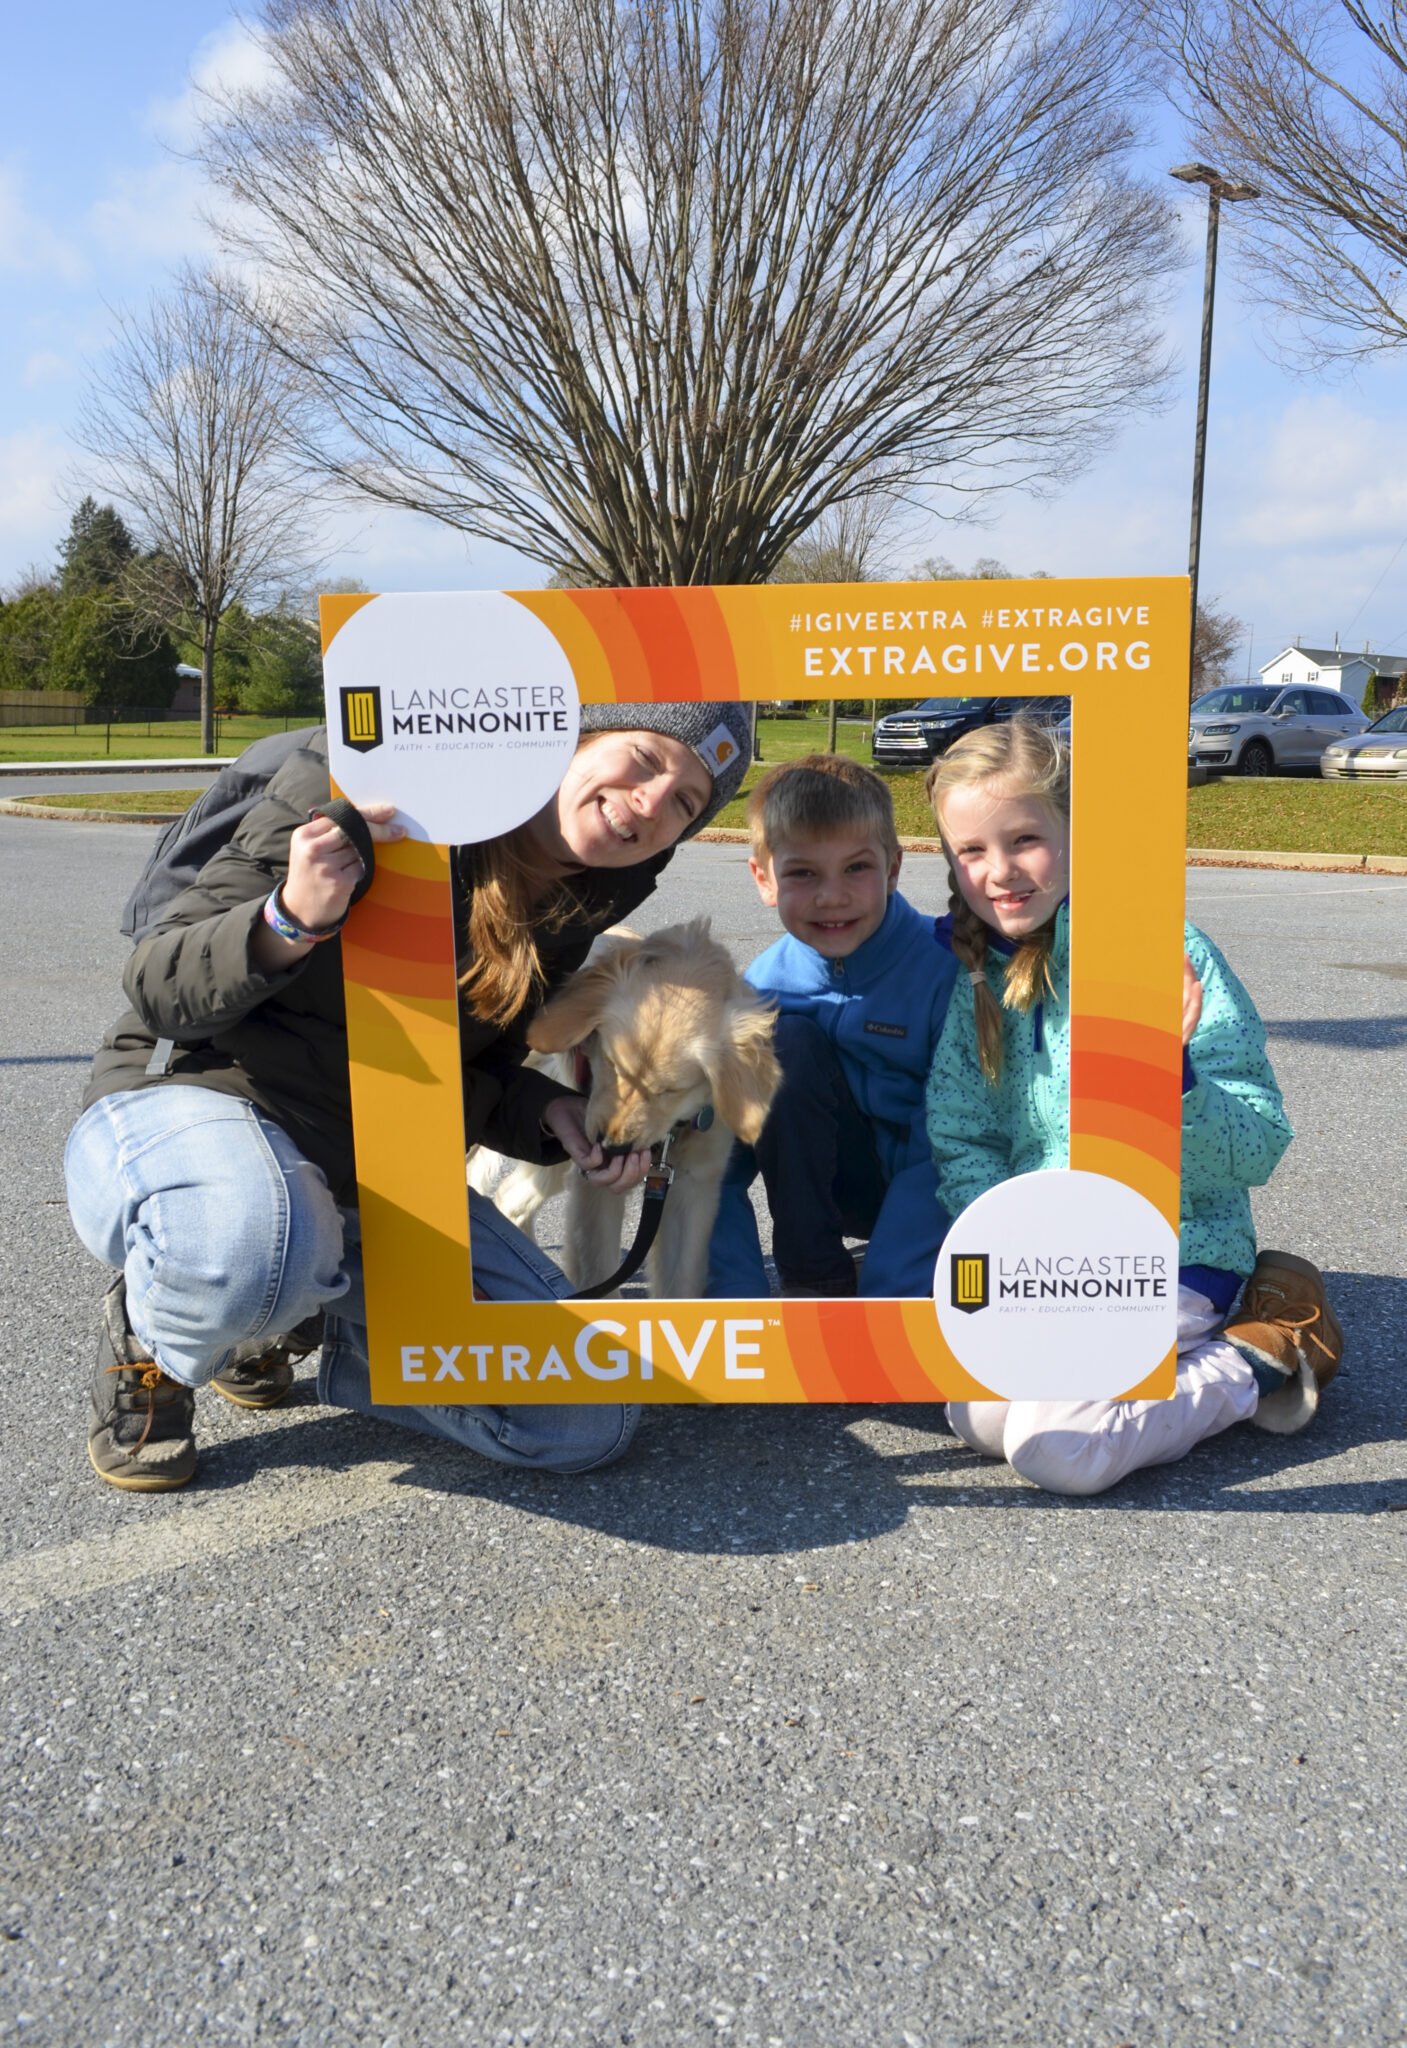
{"x": 16, "y": 807}
{"x": 200, "y": 764}
{"x": 1315, "y": 863}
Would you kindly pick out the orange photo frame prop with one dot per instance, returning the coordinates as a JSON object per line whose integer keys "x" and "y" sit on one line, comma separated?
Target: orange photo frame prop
{"x": 1118, "y": 647}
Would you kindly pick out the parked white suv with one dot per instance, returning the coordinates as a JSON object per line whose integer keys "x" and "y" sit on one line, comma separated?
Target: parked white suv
{"x": 1255, "y": 728}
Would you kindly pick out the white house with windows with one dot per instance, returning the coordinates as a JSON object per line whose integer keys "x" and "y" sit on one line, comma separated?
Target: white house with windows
{"x": 1334, "y": 668}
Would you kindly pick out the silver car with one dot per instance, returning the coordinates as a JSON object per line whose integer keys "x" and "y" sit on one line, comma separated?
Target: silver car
{"x": 1380, "y": 752}
{"x": 1255, "y": 728}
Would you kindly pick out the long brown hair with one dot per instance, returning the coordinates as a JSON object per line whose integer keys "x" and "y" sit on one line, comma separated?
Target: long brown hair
{"x": 1019, "y": 758}
{"x": 506, "y": 906}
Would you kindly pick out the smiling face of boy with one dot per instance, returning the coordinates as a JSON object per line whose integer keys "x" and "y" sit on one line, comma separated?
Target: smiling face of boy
{"x": 831, "y": 892}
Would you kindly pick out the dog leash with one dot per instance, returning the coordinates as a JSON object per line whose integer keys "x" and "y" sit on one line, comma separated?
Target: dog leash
{"x": 655, "y": 1186}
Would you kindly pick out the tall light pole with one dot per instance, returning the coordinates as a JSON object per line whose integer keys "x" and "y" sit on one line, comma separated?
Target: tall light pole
{"x": 1218, "y": 188}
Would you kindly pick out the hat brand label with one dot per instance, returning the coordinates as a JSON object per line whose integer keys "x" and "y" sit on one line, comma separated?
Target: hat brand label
{"x": 717, "y": 750}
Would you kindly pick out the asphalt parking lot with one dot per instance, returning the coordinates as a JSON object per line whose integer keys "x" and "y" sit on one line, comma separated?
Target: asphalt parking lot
{"x": 801, "y": 1727}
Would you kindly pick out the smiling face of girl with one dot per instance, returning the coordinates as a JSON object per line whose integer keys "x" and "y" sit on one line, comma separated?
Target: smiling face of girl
{"x": 1010, "y": 853}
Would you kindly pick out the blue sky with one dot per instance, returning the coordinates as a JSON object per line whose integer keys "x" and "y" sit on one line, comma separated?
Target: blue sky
{"x": 1305, "y": 521}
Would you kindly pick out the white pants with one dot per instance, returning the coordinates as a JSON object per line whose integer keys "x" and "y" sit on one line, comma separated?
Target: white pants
{"x": 1089, "y": 1446}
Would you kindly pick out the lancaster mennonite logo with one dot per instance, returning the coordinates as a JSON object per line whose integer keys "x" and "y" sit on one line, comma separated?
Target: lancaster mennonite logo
{"x": 361, "y": 720}
{"x": 971, "y": 1281}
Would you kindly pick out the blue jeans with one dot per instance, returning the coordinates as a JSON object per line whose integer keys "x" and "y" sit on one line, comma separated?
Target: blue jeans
{"x": 825, "y": 1182}
{"x": 819, "y": 1163}
{"x": 226, "y": 1233}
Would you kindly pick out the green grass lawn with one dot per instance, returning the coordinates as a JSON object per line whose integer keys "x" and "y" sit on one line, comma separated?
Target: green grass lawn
{"x": 783, "y": 739}
{"x": 787, "y": 739}
{"x": 158, "y": 741}
{"x": 145, "y": 803}
{"x": 1291, "y": 816}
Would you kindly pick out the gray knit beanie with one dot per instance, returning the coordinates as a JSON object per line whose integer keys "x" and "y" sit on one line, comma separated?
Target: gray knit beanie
{"x": 720, "y": 734}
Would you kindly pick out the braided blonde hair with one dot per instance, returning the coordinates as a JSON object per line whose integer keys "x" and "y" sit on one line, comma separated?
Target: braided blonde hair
{"x": 1016, "y": 758}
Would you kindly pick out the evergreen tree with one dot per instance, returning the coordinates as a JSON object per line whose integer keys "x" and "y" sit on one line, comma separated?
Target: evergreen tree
{"x": 96, "y": 552}
{"x": 27, "y": 628}
{"x": 99, "y": 649}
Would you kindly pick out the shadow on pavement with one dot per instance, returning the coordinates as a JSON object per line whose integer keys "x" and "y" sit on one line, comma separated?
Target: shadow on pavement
{"x": 772, "y": 1481}
{"x": 1350, "y": 1034}
{"x": 48, "y": 1059}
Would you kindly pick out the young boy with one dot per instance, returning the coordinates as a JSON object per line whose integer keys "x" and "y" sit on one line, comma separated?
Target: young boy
{"x": 861, "y": 985}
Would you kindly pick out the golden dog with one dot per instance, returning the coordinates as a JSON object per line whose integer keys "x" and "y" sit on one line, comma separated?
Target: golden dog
{"x": 669, "y": 1031}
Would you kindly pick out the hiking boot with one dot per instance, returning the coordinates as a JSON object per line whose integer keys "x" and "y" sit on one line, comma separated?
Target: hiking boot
{"x": 141, "y": 1424}
{"x": 260, "y": 1374}
{"x": 1285, "y": 1329}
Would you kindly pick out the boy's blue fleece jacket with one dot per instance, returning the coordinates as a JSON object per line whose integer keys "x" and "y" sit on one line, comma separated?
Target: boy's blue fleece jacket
{"x": 883, "y": 1008}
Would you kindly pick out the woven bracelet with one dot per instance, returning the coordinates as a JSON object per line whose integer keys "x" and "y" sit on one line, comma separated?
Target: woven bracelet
{"x": 278, "y": 920}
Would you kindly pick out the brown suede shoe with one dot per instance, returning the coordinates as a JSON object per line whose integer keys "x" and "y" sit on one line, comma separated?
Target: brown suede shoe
{"x": 140, "y": 1423}
{"x": 260, "y": 1375}
{"x": 1284, "y": 1326}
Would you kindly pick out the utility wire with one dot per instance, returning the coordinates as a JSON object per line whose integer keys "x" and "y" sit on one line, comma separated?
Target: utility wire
{"x": 1374, "y": 591}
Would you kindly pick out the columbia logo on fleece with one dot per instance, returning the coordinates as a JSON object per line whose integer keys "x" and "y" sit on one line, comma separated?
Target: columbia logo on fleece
{"x": 887, "y": 1030}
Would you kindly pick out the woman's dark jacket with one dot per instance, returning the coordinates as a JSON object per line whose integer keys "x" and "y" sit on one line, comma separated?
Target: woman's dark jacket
{"x": 279, "y": 1040}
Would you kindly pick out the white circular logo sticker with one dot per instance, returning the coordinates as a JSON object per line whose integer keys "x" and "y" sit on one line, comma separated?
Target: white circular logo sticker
{"x": 1059, "y": 1286}
{"x": 459, "y": 707}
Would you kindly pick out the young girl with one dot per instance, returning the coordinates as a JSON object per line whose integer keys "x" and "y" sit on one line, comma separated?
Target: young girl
{"x": 998, "y": 1104}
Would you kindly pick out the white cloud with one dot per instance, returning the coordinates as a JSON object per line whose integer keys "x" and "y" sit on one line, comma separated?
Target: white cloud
{"x": 1127, "y": 516}
{"x": 162, "y": 211}
{"x": 154, "y": 213}
{"x": 1329, "y": 474}
{"x": 33, "y": 465}
{"x": 231, "y": 60}
{"x": 44, "y": 365}
{"x": 1305, "y": 505}
{"x": 391, "y": 550}
{"x": 29, "y": 247}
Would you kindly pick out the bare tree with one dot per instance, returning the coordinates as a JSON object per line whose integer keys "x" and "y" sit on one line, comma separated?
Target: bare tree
{"x": 644, "y": 290}
{"x": 26, "y": 582}
{"x": 849, "y": 543}
{"x": 191, "y": 427}
{"x": 986, "y": 569}
{"x": 1307, "y": 100}
{"x": 1216, "y": 637}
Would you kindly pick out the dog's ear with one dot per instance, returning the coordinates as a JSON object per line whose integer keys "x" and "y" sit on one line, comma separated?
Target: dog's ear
{"x": 573, "y": 1014}
{"x": 743, "y": 1073}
